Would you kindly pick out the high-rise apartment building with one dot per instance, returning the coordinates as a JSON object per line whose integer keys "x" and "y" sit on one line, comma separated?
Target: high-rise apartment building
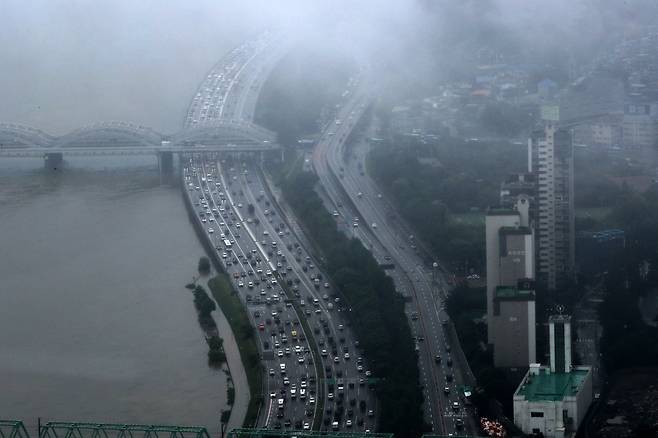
{"x": 550, "y": 158}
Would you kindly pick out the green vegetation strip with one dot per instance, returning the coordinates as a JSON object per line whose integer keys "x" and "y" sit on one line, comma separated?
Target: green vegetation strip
{"x": 376, "y": 310}
{"x": 236, "y": 314}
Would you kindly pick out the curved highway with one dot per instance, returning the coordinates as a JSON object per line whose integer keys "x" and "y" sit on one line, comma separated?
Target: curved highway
{"x": 276, "y": 277}
{"x": 361, "y": 210}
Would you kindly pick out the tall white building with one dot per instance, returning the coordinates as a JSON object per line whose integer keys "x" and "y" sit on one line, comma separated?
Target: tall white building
{"x": 550, "y": 156}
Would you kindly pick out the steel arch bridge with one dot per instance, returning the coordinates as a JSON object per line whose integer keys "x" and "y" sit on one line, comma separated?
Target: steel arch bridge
{"x": 110, "y": 133}
{"x": 59, "y": 429}
{"x": 121, "y": 138}
{"x": 13, "y": 429}
{"x": 14, "y": 135}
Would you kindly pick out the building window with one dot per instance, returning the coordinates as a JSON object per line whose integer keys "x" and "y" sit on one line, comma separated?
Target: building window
{"x": 537, "y": 414}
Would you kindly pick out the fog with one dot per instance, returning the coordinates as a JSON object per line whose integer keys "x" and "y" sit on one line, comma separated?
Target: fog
{"x": 67, "y": 63}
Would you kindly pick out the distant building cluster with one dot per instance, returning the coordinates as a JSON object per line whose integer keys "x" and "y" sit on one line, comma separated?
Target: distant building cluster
{"x": 618, "y": 101}
{"x": 456, "y": 109}
{"x": 611, "y": 107}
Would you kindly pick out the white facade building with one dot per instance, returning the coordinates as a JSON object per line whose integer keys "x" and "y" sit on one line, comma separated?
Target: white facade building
{"x": 550, "y": 153}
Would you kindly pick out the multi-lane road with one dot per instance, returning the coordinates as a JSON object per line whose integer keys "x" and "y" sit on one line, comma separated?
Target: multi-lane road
{"x": 314, "y": 376}
{"x": 359, "y": 206}
{"x": 279, "y": 281}
{"x": 272, "y": 271}
{"x": 230, "y": 90}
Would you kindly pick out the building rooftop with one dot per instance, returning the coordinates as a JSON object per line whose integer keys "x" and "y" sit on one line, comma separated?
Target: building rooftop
{"x": 512, "y": 293}
{"x": 547, "y": 386}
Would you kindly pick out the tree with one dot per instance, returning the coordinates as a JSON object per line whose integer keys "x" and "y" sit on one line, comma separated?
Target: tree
{"x": 215, "y": 343}
{"x": 204, "y": 265}
{"x": 216, "y": 358}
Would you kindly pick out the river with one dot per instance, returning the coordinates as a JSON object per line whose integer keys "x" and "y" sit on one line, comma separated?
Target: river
{"x": 95, "y": 322}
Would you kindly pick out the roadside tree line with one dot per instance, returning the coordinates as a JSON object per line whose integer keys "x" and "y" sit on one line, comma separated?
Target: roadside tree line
{"x": 374, "y": 310}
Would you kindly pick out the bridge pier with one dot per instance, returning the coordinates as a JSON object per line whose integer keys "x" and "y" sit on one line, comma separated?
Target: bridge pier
{"x": 53, "y": 160}
{"x": 166, "y": 163}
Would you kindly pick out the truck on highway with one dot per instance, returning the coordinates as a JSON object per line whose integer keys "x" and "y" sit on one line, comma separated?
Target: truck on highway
{"x": 227, "y": 244}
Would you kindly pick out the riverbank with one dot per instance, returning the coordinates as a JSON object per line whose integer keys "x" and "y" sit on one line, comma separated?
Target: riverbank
{"x": 236, "y": 315}
{"x": 223, "y": 293}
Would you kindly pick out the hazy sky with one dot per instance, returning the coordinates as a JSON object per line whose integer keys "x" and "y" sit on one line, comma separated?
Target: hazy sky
{"x": 67, "y": 63}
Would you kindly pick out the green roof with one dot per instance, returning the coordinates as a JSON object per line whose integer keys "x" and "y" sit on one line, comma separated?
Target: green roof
{"x": 547, "y": 386}
{"x": 512, "y": 293}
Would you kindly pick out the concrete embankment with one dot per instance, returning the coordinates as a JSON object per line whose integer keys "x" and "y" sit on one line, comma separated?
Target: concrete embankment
{"x": 233, "y": 358}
